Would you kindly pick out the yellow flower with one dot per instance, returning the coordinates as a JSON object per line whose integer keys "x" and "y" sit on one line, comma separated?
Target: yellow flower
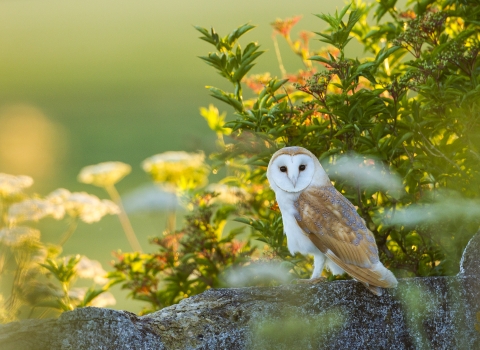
{"x": 17, "y": 236}
{"x": 178, "y": 169}
{"x": 11, "y": 184}
{"x": 91, "y": 269}
{"x": 215, "y": 120}
{"x": 34, "y": 210}
{"x": 104, "y": 174}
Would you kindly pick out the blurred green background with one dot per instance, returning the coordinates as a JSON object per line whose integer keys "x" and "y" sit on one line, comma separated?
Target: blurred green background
{"x": 83, "y": 82}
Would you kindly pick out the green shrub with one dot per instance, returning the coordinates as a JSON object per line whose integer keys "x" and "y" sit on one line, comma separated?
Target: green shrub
{"x": 409, "y": 108}
{"x": 404, "y": 119}
{"x": 188, "y": 261}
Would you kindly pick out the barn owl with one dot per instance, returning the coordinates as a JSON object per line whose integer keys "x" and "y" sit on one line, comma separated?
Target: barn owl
{"x": 321, "y": 222}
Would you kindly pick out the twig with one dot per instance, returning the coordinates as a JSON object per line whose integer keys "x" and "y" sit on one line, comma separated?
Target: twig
{"x": 440, "y": 154}
{"x": 289, "y": 101}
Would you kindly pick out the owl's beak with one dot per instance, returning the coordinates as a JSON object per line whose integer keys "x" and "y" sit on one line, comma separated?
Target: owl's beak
{"x": 294, "y": 179}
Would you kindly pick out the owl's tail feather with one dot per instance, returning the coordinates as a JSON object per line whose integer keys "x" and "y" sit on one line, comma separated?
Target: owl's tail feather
{"x": 387, "y": 275}
{"x": 376, "y": 275}
{"x": 375, "y": 290}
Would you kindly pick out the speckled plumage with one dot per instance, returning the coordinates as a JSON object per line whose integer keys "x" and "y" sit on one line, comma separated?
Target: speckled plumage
{"x": 320, "y": 221}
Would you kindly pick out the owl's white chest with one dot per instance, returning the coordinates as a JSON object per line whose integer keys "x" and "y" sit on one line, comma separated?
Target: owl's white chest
{"x": 297, "y": 240}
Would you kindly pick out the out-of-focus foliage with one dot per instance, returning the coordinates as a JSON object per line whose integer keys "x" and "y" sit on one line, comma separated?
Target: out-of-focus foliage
{"x": 397, "y": 131}
{"x": 38, "y": 281}
{"x": 177, "y": 170}
{"x": 188, "y": 261}
{"x": 409, "y": 109}
{"x": 106, "y": 175}
{"x": 193, "y": 259}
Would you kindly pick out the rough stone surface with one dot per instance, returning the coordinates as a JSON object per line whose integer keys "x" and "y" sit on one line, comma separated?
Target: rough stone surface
{"x": 88, "y": 328}
{"x": 470, "y": 263}
{"x": 422, "y": 313}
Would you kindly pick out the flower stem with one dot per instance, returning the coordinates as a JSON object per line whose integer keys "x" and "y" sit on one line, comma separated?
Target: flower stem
{"x": 124, "y": 221}
{"x": 3, "y": 214}
{"x": 71, "y": 229}
{"x": 12, "y": 304}
{"x": 279, "y": 57}
{"x": 172, "y": 221}
{"x": 67, "y": 301}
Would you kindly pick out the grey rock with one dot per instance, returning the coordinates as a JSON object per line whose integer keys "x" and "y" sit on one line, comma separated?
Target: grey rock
{"x": 422, "y": 313}
{"x": 87, "y": 328}
{"x": 470, "y": 262}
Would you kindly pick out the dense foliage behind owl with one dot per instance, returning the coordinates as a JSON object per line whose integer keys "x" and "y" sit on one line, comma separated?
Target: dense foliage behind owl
{"x": 320, "y": 221}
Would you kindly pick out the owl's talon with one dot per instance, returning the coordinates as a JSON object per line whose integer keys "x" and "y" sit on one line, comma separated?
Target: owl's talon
{"x": 310, "y": 281}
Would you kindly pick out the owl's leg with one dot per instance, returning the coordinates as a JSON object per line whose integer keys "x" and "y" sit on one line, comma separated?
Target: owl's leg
{"x": 318, "y": 264}
{"x": 334, "y": 268}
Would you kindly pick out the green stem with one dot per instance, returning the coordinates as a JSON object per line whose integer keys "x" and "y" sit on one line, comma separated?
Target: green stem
{"x": 3, "y": 214}
{"x": 67, "y": 300}
{"x": 3, "y": 257}
{"x": 124, "y": 221}
{"x": 279, "y": 57}
{"x": 71, "y": 229}
{"x": 12, "y": 304}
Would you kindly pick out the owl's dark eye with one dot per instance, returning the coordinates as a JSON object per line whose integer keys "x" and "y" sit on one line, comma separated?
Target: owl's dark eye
{"x": 301, "y": 167}
{"x": 283, "y": 169}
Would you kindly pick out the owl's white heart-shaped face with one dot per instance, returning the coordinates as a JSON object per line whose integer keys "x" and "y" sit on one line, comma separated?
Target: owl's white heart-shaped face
{"x": 291, "y": 173}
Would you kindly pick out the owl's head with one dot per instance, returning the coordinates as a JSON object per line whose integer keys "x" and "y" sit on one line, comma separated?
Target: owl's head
{"x": 292, "y": 169}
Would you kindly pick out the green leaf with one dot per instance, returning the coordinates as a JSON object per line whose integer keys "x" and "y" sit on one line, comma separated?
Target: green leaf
{"x": 321, "y": 59}
{"x": 53, "y": 304}
{"x": 400, "y": 140}
{"x": 384, "y": 53}
{"x": 91, "y": 294}
{"x": 246, "y": 221}
{"x": 223, "y": 213}
{"x": 237, "y": 33}
{"x": 227, "y": 98}
{"x": 207, "y": 36}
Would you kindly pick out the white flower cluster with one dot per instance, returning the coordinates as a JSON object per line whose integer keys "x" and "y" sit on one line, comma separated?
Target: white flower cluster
{"x": 174, "y": 157}
{"x": 87, "y": 207}
{"x": 11, "y": 184}
{"x": 34, "y": 210}
{"x": 91, "y": 269}
{"x": 104, "y": 174}
{"x": 177, "y": 169}
{"x": 16, "y": 236}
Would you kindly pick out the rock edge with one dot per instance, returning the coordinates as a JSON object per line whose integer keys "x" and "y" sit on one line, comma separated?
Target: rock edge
{"x": 431, "y": 312}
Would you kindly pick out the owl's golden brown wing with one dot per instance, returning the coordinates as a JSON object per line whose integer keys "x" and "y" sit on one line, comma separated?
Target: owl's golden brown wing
{"x": 333, "y": 225}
